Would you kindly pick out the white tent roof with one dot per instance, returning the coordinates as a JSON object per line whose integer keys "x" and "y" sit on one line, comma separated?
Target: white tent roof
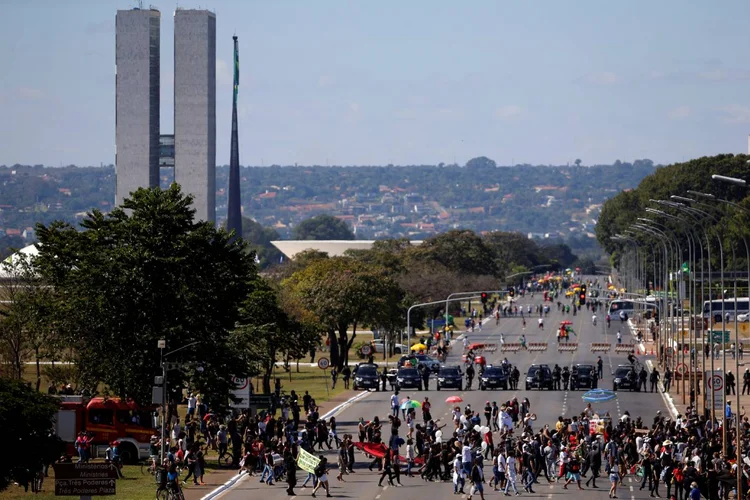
{"x": 8, "y": 265}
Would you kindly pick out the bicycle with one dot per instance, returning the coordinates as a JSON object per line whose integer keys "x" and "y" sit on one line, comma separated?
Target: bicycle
{"x": 149, "y": 466}
{"x": 225, "y": 460}
{"x": 167, "y": 490}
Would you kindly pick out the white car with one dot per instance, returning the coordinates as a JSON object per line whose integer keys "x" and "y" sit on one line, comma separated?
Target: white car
{"x": 743, "y": 318}
{"x": 379, "y": 346}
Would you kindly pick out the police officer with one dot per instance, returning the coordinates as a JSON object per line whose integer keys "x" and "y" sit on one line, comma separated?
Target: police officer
{"x": 574, "y": 379}
{"x": 746, "y": 381}
{"x": 556, "y": 378}
{"x": 565, "y": 377}
{"x": 642, "y": 376}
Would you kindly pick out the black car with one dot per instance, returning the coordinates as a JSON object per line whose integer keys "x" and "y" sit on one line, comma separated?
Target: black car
{"x": 587, "y": 377}
{"x": 428, "y": 362}
{"x": 450, "y": 376}
{"x": 531, "y": 379}
{"x": 409, "y": 377}
{"x": 366, "y": 376}
{"x": 493, "y": 377}
{"x": 625, "y": 378}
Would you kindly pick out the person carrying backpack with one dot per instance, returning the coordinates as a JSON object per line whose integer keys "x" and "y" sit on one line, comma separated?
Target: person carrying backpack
{"x": 321, "y": 473}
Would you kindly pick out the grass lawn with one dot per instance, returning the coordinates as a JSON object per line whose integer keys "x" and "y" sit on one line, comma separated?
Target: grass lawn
{"x": 135, "y": 486}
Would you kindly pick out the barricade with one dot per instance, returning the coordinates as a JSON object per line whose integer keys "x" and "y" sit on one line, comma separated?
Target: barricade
{"x": 489, "y": 348}
{"x": 600, "y": 347}
{"x": 537, "y": 346}
{"x": 571, "y": 346}
{"x": 624, "y": 347}
{"x": 510, "y": 347}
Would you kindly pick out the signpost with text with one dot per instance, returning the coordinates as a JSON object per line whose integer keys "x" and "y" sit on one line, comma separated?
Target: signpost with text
{"x": 85, "y": 479}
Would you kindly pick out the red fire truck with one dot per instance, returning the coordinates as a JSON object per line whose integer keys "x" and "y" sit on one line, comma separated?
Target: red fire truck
{"x": 108, "y": 419}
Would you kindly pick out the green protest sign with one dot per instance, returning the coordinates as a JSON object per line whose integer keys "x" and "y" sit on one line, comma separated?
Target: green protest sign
{"x": 307, "y": 461}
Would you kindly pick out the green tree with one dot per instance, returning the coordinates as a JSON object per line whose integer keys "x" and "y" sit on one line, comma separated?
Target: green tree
{"x": 144, "y": 272}
{"x": 481, "y": 162}
{"x": 343, "y": 293}
{"x": 323, "y": 227}
{"x": 26, "y": 417}
{"x": 259, "y": 240}
{"x": 459, "y": 250}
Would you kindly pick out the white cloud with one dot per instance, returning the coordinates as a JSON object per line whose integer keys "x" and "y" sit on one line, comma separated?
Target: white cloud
{"x": 735, "y": 113}
{"x": 354, "y": 107}
{"x": 680, "y": 112}
{"x": 508, "y": 111}
{"x": 30, "y": 93}
{"x": 223, "y": 73}
{"x": 599, "y": 78}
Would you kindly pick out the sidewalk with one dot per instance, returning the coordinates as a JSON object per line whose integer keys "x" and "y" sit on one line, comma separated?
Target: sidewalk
{"x": 217, "y": 477}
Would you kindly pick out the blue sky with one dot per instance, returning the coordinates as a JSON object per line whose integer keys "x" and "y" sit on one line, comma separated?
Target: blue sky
{"x": 417, "y": 82}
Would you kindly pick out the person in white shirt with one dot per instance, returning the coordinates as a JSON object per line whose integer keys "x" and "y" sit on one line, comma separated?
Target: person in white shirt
{"x": 191, "y": 402}
{"x": 505, "y": 421}
{"x": 466, "y": 459}
{"x": 458, "y": 476}
{"x": 176, "y": 430}
{"x": 394, "y": 405}
{"x": 619, "y": 337}
{"x": 510, "y": 474}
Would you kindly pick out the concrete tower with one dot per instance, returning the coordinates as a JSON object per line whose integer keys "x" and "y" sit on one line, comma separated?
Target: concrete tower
{"x": 136, "y": 100}
{"x": 195, "y": 108}
{"x": 234, "y": 204}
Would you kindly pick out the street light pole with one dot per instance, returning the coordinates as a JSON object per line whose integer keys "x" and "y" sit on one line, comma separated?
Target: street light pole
{"x": 165, "y": 441}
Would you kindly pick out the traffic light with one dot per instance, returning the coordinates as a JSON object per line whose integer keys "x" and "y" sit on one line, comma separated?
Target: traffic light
{"x": 484, "y": 297}
{"x": 582, "y": 296}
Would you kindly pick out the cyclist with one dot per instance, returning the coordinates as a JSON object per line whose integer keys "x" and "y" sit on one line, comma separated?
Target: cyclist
{"x": 221, "y": 437}
{"x": 173, "y": 475}
{"x": 631, "y": 358}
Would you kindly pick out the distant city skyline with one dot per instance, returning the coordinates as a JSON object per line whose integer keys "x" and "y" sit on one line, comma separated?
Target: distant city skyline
{"x": 421, "y": 82}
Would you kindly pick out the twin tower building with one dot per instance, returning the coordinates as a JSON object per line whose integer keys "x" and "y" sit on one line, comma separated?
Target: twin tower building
{"x": 140, "y": 148}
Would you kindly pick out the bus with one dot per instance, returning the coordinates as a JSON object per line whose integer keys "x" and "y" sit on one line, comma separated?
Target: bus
{"x": 713, "y": 309}
{"x": 628, "y": 306}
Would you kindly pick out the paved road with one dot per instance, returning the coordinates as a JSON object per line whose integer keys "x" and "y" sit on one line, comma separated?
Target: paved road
{"x": 548, "y": 405}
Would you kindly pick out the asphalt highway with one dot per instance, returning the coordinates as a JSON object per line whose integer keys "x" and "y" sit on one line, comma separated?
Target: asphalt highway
{"x": 547, "y": 405}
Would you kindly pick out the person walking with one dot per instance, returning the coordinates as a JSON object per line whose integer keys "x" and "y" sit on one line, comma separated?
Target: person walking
{"x": 477, "y": 479}
{"x": 394, "y": 405}
{"x": 667, "y": 379}
{"x": 654, "y": 378}
{"x": 746, "y": 381}
{"x": 290, "y": 464}
{"x": 321, "y": 473}
{"x": 510, "y": 474}
{"x": 387, "y": 471}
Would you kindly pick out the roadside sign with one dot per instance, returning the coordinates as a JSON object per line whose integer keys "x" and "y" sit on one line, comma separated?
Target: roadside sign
{"x": 717, "y": 337}
{"x": 681, "y": 368}
{"x": 366, "y": 351}
{"x": 715, "y": 385}
{"x": 324, "y": 363}
{"x": 260, "y": 400}
{"x": 242, "y": 392}
{"x": 85, "y": 479}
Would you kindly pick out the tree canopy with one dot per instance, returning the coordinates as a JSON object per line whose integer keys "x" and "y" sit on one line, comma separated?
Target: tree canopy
{"x": 323, "y": 227}
{"x": 144, "y": 272}
{"x": 623, "y": 210}
{"x": 26, "y": 417}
